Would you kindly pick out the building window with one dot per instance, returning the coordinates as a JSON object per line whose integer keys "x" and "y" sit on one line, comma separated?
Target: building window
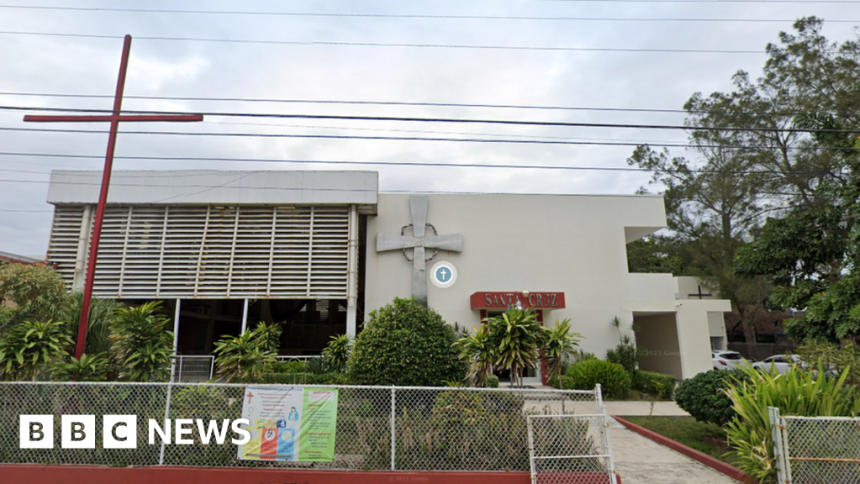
{"x": 716, "y": 343}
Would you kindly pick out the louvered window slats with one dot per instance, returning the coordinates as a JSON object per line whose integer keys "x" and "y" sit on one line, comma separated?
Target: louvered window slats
{"x": 247, "y": 251}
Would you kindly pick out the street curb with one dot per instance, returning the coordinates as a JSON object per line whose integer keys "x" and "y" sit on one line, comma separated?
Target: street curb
{"x": 713, "y": 463}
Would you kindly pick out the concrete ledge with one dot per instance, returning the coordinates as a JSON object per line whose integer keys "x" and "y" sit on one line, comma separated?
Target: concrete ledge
{"x": 79, "y": 474}
{"x": 712, "y": 462}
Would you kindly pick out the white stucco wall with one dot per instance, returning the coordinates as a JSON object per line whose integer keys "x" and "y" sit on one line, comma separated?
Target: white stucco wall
{"x": 563, "y": 243}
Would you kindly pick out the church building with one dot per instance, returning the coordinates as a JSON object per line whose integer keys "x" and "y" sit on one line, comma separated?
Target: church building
{"x": 317, "y": 251}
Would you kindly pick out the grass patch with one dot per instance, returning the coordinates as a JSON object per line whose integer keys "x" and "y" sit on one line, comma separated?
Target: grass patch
{"x": 705, "y": 437}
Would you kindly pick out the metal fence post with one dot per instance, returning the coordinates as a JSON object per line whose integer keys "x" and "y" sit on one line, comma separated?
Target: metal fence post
{"x": 776, "y": 436}
{"x": 393, "y": 429}
{"x": 166, "y": 417}
{"x": 598, "y": 397}
{"x": 531, "y": 437}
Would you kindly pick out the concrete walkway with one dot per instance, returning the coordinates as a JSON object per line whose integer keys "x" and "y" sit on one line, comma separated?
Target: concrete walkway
{"x": 643, "y": 409}
{"x": 642, "y": 461}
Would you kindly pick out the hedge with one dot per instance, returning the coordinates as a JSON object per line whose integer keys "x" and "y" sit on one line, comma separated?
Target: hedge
{"x": 659, "y": 385}
{"x": 613, "y": 378}
{"x": 306, "y": 378}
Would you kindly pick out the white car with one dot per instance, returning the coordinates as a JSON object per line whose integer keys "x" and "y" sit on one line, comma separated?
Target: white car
{"x": 728, "y": 360}
{"x": 781, "y": 363}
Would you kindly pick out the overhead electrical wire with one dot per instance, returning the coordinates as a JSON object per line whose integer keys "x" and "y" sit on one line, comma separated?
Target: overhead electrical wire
{"x": 437, "y": 120}
{"x": 391, "y": 16}
{"x": 384, "y": 163}
{"x": 312, "y": 43}
{"x": 404, "y": 138}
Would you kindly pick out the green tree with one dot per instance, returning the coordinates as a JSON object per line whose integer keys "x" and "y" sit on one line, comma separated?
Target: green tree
{"x": 141, "y": 345}
{"x": 337, "y": 352}
{"x": 35, "y": 292}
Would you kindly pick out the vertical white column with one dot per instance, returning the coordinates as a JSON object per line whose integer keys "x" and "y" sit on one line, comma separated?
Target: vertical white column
{"x": 175, "y": 338}
{"x": 83, "y": 245}
{"x": 244, "y": 317}
{"x": 352, "y": 272}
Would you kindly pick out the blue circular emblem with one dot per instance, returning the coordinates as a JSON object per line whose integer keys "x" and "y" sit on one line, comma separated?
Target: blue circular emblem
{"x": 443, "y": 274}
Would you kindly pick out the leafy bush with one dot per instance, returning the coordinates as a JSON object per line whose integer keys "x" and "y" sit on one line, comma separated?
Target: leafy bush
{"x": 659, "y": 385}
{"x": 613, "y": 379}
{"x": 493, "y": 381}
{"x": 290, "y": 366}
{"x": 829, "y": 355}
{"x": 566, "y": 382}
{"x": 98, "y": 326}
{"x": 626, "y": 355}
{"x": 28, "y": 348}
{"x": 318, "y": 366}
{"x": 88, "y": 368}
{"x": 478, "y": 350}
{"x": 516, "y": 336}
{"x": 558, "y": 344}
{"x": 37, "y": 293}
{"x": 703, "y": 396}
{"x": 405, "y": 343}
{"x": 337, "y": 352}
{"x": 799, "y": 393}
{"x": 245, "y": 357}
{"x": 141, "y": 344}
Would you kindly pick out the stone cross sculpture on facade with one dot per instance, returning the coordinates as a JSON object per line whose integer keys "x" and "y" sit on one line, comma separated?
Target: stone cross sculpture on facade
{"x": 419, "y": 240}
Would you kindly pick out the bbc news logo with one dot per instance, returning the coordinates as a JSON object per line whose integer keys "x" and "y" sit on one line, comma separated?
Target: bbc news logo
{"x": 120, "y": 431}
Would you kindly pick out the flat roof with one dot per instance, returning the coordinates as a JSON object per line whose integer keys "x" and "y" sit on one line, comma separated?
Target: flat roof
{"x": 196, "y": 187}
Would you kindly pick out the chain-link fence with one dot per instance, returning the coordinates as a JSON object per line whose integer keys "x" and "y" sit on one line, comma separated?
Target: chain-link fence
{"x": 377, "y": 428}
{"x": 816, "y": 450}
{"x": 569, "y": 449}
{"x": 192, "y": 368}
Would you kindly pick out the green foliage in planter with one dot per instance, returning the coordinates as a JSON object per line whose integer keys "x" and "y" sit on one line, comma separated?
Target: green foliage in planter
{"x": 478, "y": 350}
{"x": 613, "y": 379}
{"x": 799, "y": 393}
{"x": 704, "y": 398}
{"x": 337, "y": 352}
{"x": 493, "y": 381}
{"x": 405, "y": 343}
{"x": 659, "y": 385}
{"x": 29, "y": 348}
{"x": 141, "y": 344}
{"x": 36, "y": 292}
{"x": 88, "y": 368}
{"x": 626, "y": 355}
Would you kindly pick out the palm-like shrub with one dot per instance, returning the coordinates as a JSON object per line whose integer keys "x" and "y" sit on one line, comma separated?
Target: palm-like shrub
{"x": 29, "y": 348}
{"x": 269, "y": 336}
{"x": 337, "y": 352}
{"x": 558, "y": 344}
{"x": 516, "y": 336}
{"x": 141, "y": 344}
{"x": 98, "y": 328}
{"x": 245, "y": 357}
{"x": 88, "y": 368}
{"x": 798, "y": 393}
{"x": 479, "y": 352}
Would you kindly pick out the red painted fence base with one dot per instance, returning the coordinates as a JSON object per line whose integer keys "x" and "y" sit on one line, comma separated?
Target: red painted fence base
{"x": 74, "y": 474}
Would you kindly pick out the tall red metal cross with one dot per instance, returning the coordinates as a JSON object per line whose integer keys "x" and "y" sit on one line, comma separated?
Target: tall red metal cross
{"x": 114, "y": 120}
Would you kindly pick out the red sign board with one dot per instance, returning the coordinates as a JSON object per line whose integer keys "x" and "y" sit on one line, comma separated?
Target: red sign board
{"x": 501, "y": 300}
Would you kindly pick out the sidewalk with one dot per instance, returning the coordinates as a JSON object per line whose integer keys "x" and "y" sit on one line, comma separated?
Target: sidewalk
{"x": 643, "y": 409}
{"x": 642, "y": 461}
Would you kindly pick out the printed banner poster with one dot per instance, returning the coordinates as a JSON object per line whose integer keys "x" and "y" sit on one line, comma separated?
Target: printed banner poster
{"x": 291, "y": 424}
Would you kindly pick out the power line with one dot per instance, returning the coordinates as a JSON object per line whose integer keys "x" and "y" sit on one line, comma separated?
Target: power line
{"x": 384, "y": 163}
{"x": 392, "y": 16}
{"x": 314, "y": 43}
{"x": 322, "y": 101}
{"x": 443, "y": 120}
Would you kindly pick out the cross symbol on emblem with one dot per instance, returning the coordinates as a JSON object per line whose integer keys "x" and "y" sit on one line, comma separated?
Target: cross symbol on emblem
{"x": 419, "y": 241}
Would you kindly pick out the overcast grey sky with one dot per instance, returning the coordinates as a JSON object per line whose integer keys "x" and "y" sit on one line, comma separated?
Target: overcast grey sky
{"x": 182, "y": 68}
